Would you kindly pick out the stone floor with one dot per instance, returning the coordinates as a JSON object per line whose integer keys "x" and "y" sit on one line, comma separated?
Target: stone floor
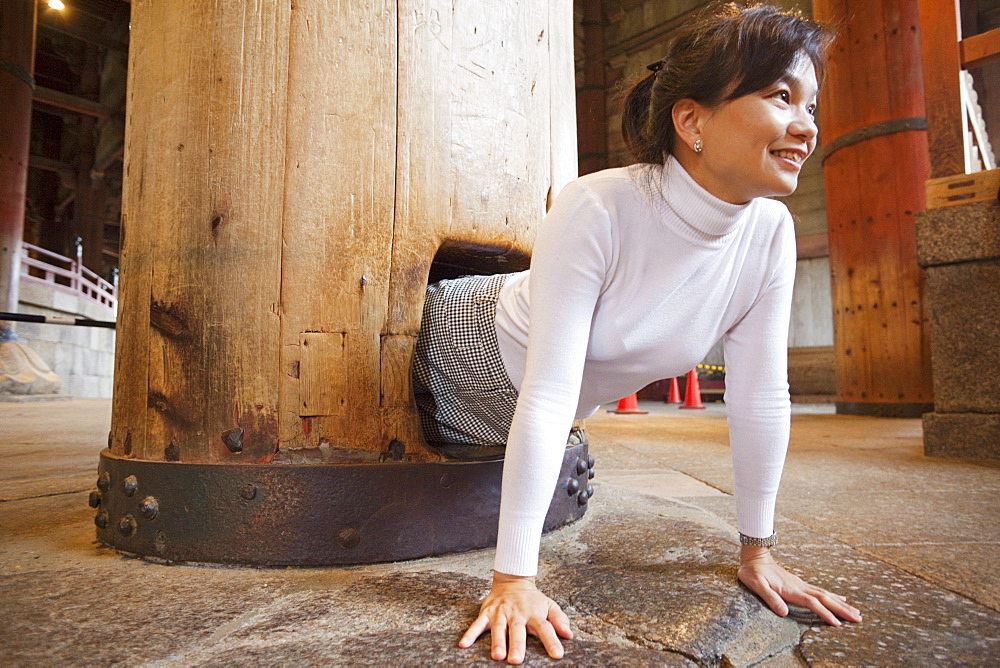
{"x": 647, "y": 577}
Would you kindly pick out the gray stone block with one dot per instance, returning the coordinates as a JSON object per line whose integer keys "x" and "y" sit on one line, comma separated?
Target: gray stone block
{"x": 958, "y": 233}
{"x": 45, "y": 349}
{"x": 65, "y": 302}
{"x": 79, "y": 367}
{"x": 89, "y": 387}
{"x": 965, "y": 336}
{"x": 103, "y": 364}
{"x": 91, "y": 362}
{"x": 71, "y": 385}
{"x": 96, "y": 311}
{"x": 101, "y": 339}
{"x": 50, "y": 333}
{"x": 28, "y": 331}
{"x": 962, "y": 435}
{"x": 34, "y": 294}
{"x": 63, "y": 363}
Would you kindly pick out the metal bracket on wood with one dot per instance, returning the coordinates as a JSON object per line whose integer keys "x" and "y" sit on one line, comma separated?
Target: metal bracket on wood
{"x": 874, "y": 130}
{"x": 313, "y": 515}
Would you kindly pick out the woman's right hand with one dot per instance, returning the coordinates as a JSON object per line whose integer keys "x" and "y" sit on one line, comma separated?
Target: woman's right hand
{"x": 514, "y": 608}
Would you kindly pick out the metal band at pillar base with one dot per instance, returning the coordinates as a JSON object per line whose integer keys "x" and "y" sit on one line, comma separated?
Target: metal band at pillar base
{"x": 313, "y": 515}
{"x": 873, "y": 409}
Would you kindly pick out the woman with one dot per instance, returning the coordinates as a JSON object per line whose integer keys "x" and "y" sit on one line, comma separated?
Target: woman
{"x": 635, "y": 274}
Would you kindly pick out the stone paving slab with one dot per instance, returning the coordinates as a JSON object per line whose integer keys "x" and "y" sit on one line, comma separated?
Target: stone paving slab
{"x": 903, "y": 516}
{"x": 663, "y": 483}
{"x": 969, "y": 569}
{"x": 662, "y": 575}
{"x": 908, "y": 621}
{"x": 51, "y": 448}
{"x": 909, "y": 614}
{"x": 673, "y": 602}
{"x": 647, "y": 578}
{"x": 790, "y": 532}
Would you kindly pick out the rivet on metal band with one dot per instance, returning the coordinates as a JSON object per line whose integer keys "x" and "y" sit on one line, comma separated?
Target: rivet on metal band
{"x": 759, "y": 542}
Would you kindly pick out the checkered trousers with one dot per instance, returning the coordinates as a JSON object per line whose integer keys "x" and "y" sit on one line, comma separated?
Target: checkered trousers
{"x": 460, "y": 385}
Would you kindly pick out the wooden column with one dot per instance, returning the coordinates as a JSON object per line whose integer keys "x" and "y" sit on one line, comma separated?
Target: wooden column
{"x": 941, "y": 67}
{"x": 289, "y": 176}
{"x": 875, "y": 165}
{"x": 477, "y": 154}
{"x": 592, "y": 96}
{"x": 17, "y": 53}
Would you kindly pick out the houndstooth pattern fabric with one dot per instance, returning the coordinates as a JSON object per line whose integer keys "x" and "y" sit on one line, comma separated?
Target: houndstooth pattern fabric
{"x": 461, "y": 388}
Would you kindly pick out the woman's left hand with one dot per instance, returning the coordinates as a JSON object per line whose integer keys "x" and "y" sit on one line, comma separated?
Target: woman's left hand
{"x": 769, "y": 580}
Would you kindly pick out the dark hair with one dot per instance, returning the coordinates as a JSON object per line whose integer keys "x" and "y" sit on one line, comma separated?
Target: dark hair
{"x": 725, "y": 52}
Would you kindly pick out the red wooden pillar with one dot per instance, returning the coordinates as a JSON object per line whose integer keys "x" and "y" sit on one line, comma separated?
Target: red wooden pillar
{"x": 875, "y": 165}
{"x": 17, "y": 51}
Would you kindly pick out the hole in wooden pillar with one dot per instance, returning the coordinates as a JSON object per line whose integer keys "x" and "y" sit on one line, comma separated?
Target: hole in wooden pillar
{"x": 465, "y": 258}
{"x": 462, "y": 258}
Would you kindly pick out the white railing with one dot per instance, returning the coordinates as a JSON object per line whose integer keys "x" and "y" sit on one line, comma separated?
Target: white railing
{"x": 55, "y": 271}
{"x": 978, "y": 150}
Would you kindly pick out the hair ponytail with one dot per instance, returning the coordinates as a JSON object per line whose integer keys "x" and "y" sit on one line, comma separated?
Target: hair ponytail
{"x": 635, "y": 121}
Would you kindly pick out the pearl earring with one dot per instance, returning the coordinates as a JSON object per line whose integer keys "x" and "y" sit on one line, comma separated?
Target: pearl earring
{"x": 697, "y": 146}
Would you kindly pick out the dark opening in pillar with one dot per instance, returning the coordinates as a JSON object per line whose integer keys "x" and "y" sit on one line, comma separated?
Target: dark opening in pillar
{"x": 457, "y": 333}
{"x": 466, "y": 258}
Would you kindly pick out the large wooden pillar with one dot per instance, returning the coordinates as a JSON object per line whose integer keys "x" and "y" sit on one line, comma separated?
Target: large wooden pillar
{"x": 17, "y": 60}
{"x": 875, "y": 165}
{"x": 290, "y": 175}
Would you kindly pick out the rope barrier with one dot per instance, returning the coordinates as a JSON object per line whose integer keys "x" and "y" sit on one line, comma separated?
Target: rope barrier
{"x": 56, "y": 320}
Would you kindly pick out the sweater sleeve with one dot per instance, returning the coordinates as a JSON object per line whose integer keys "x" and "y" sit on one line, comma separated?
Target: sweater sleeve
{"x": 757, "y": 402}
{"x": 570, "y": 261}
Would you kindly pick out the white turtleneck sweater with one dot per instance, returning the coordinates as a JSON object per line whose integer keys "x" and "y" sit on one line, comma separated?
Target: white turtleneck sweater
{"x": 635, "y": 274}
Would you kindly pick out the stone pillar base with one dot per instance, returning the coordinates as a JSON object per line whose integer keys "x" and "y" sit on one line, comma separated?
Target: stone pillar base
{"x": 23, "y": 372}
{"x": 962, "y": 435}
{"x": 960, "y": 248}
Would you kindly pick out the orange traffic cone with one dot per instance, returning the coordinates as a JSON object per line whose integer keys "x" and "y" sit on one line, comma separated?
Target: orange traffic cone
{"x": 674, "y": 393}
{"x": 692, "y": 394}
{"x": 628, "y": 406}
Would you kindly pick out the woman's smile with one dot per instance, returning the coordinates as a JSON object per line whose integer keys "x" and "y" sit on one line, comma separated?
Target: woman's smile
{"x": 755, "y": 145}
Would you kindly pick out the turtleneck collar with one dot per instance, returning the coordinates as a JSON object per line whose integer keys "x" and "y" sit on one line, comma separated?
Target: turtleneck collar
{"x": 706, "y": 218}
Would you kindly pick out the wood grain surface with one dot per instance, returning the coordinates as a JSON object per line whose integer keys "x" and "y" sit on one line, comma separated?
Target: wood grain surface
{"x": 291, "y": 172}
{"x": 874, "y": 189}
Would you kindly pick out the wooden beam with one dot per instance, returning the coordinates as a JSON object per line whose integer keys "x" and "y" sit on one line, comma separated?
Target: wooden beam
{"x": 48, "y": 23}
{"x": 48, "y": 164}
{"x": 963, "y": 189}
{"x": 941, "y": 65}
{"x": 981, "y": 49}
{"x": 72, "y": 103}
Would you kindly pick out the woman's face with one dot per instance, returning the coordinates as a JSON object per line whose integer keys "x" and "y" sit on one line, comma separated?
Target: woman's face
{"x": 754, "y": 146}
